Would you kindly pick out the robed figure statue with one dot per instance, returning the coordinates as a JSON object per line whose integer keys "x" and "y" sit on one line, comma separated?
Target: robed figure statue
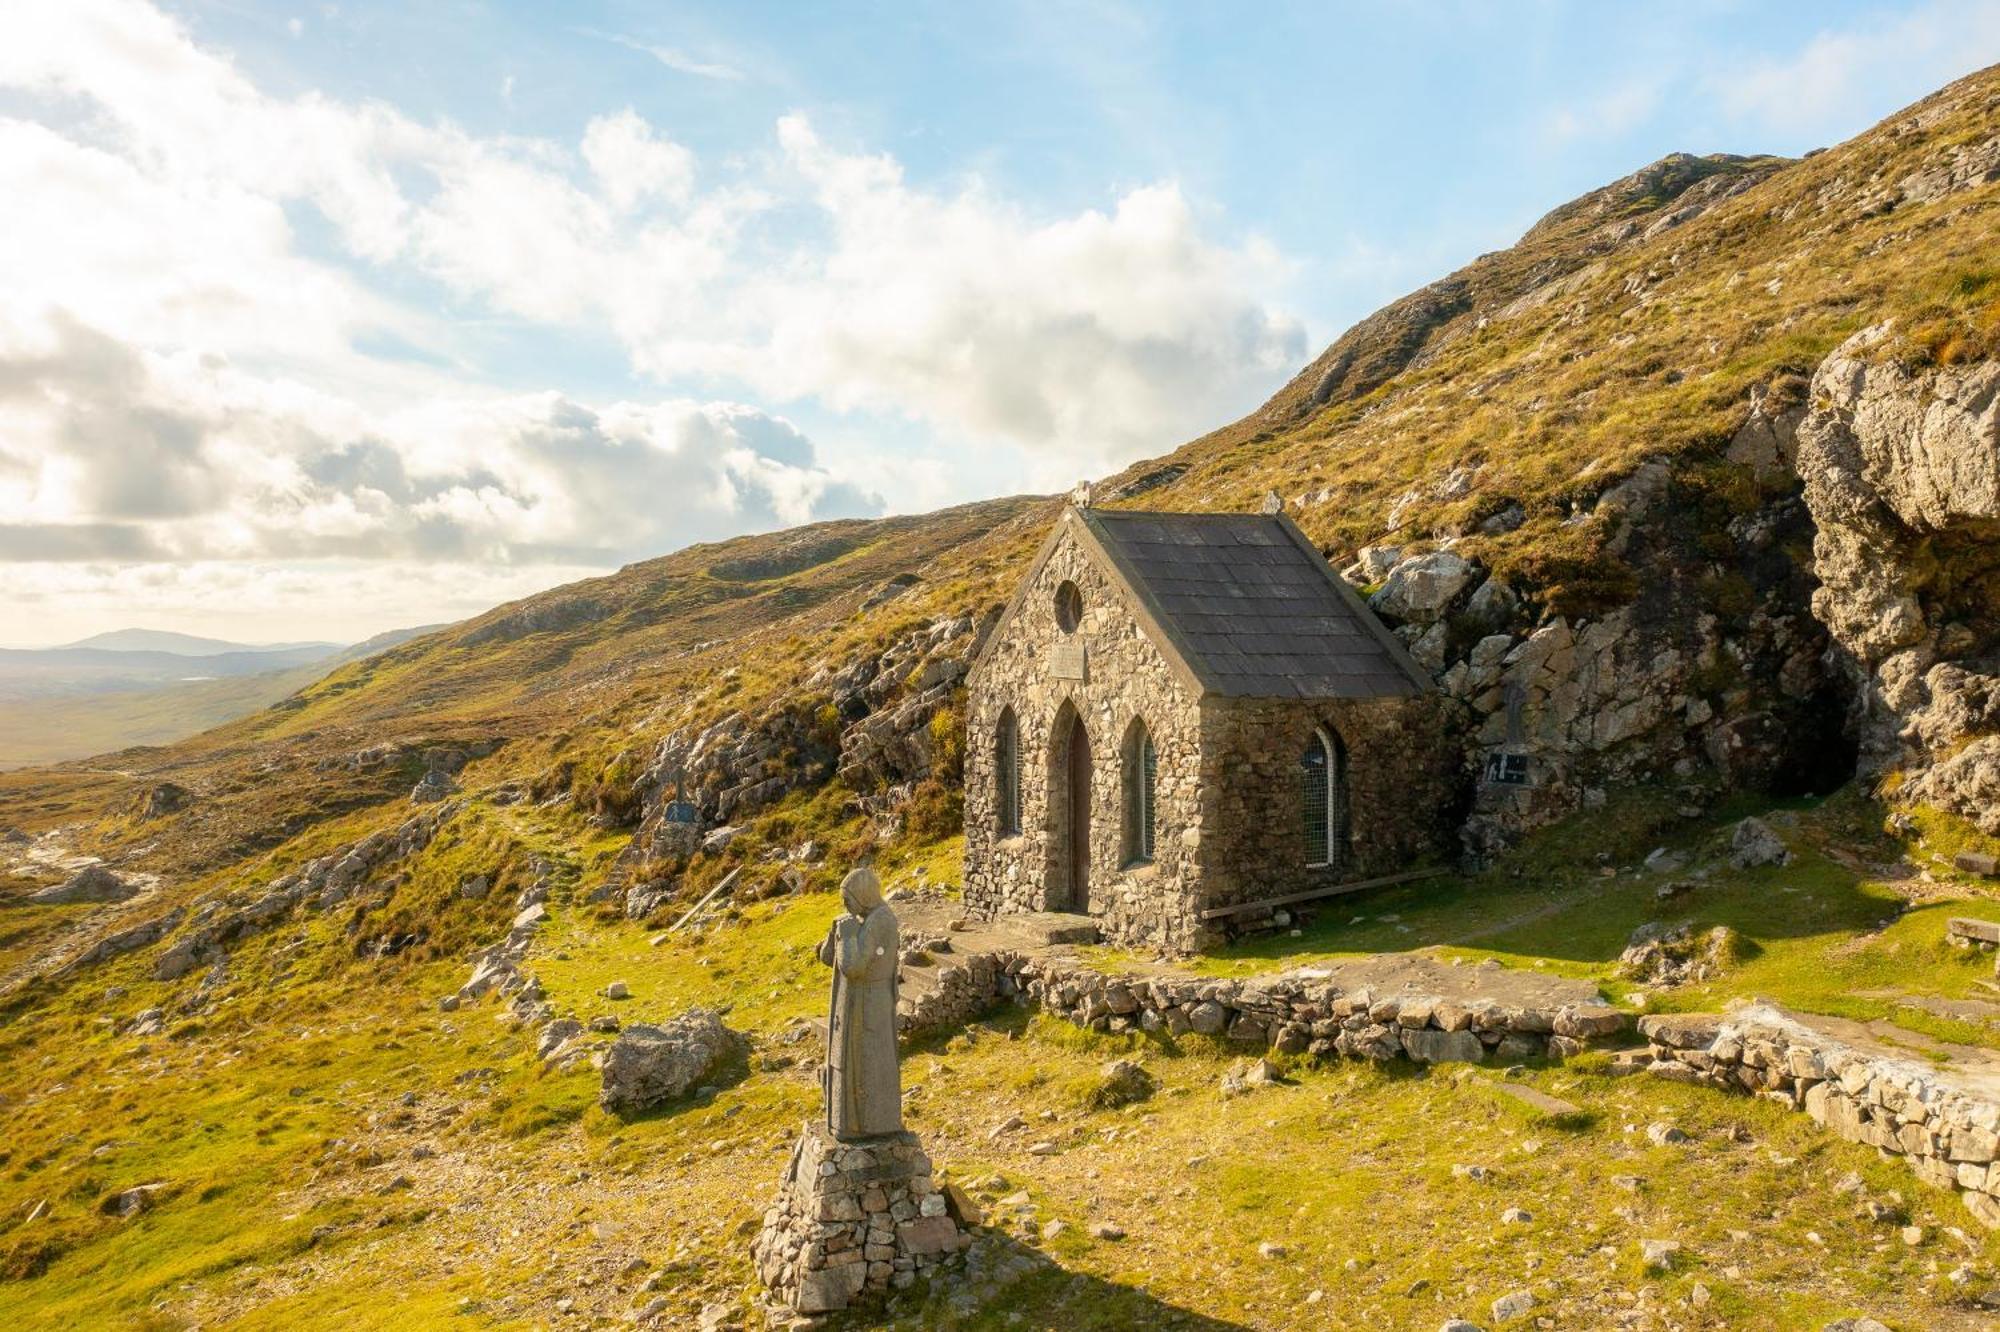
{"x": 863, "y": 1090}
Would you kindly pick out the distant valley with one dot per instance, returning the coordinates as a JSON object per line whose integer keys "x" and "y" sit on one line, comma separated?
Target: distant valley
{"x": 148, "y": 687}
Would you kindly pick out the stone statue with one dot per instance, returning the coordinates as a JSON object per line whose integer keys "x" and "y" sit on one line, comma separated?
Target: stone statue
{"x": 863, "y": 1087}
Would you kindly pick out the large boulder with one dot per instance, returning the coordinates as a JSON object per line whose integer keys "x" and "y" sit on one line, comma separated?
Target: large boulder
{"x": 91, "y": 884}
{"x": 648, "y": 1066}
{"x": 1418, "y": 589}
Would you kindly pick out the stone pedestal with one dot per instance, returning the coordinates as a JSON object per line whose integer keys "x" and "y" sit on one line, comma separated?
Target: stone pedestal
{"x": 853, "y": 1220}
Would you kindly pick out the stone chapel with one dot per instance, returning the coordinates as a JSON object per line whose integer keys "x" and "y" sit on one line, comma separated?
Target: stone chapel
{"x": 1180, "y": 712}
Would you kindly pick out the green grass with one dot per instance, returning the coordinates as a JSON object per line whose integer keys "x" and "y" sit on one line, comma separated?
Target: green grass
{"x": 262, "y": 1113}
{"x": 1815, "y": 935}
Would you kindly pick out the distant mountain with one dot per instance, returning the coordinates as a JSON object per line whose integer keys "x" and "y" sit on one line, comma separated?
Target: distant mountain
{"x": 66, "y": 703}
{"x": 183, "y": 645}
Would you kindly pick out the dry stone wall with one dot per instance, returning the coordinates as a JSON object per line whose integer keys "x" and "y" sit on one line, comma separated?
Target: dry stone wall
{"x": 1127, "y": 680}
{"x": 1951, "y": 1138}
{"x": 1296, "y": 1013}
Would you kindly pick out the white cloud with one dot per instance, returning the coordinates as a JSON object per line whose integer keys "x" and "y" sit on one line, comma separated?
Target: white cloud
{"x": 184, "y": 302}
{"x": 677, "y": 60}
{"x": 1096, "y": 338}
{"x": 253, "y": 601}
{"x": 194, "y": 460}
{"x": 1836, "y": 70}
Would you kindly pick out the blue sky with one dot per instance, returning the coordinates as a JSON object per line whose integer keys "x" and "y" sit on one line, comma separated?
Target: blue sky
{"x": 384, "y": 312}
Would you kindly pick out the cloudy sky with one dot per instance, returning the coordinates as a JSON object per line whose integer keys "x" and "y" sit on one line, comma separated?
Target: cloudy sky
{"x": 323, "y": 319}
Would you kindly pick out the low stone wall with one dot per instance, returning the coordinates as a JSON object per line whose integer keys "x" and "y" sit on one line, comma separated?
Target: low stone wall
{"x": 1294, "y": 1013}
{"x": 1951, "y": 1138}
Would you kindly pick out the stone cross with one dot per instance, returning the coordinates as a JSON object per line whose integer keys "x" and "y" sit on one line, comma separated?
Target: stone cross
{"x": 863, "y": 1086}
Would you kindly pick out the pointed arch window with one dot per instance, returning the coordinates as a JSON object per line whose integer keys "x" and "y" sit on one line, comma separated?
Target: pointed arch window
{"x": 1141, "y": 778}
{"x": 1007, "y": 774}
{"x": 1316, "y": 796}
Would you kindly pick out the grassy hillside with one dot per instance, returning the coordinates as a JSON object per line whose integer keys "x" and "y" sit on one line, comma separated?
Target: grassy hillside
{"x": 338, "y": 1149}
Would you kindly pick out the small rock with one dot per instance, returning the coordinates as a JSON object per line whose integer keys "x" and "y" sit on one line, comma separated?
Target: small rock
{"x": 1051, "y": 1229}
{"x": 132, "y": 1201}
{"x": 1515, "y": 1216}
{"x": 1458, "y": 1325}
{"x": 1753, "y": 844}
{"x": 1042, "y": 1149}
{"x": 1122, "y": 1082}
{"x": 1663, "y": 1135}
{"x": 1274, "y": 1251}
{"x": 618, "y": 989}
{"x": 1658, "y": 1254}
{"x": 1855, "y": 1325}
{"x": 1478, "y": 1173}
{"x": 1514, "y": 1304}
{"x": 1107, "y": 1230}
{"x": 1913, "y": 1235}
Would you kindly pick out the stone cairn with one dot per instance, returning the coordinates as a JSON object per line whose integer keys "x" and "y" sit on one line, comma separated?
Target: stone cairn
{"x": 853, "y": 1221}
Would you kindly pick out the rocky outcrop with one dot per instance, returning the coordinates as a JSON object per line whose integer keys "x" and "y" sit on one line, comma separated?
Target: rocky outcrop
{"x": 497, "y": 969}
{"x": 1902, "y": 475}
{"x": 1420, "y": 588}
{"x": 216, "y": 924}
{"x": 1967, "y": 784}
{"x": 93, "y": 883}
{"x": 867, "y": 720}
{"x": 648, "y": 1066}
{"x": 537, "y": 615}
{"x": 164, "y": 799}
{"x": 126, "y": 940}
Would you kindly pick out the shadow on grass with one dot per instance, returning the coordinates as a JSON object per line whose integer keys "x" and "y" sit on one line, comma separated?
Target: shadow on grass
{"x": 1002, "y": 1283}
{"x": 1550, "y": 899}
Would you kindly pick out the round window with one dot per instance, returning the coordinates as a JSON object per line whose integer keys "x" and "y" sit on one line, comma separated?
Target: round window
{"x": 1069, "y": 607}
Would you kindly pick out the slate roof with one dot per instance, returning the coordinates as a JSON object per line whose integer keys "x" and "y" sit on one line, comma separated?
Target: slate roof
{"x": 1252, "y": 607}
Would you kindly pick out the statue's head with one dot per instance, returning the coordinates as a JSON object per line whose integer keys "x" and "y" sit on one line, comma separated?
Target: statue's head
{"x": 861, "y": 891}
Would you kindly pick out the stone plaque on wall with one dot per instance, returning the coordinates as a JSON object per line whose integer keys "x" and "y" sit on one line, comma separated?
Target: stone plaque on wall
{"x": 1067, "y": 662}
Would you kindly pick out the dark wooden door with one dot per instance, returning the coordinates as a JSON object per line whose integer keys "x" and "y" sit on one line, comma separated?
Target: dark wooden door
{"x": 1079, "y": 817}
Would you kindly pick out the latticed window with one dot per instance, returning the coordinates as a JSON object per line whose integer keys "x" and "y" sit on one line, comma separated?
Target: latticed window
{"x": 1141, "y": 772}
{"x": 1316, "y": 799}
{"x": 1007, "y": 774}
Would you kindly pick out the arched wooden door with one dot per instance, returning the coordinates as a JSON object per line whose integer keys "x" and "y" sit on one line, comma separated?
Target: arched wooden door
{"x": 1079, "y": 817}
{"x": 1069, "y": 787}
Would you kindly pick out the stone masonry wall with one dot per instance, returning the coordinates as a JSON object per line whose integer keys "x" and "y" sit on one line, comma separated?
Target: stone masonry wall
{"x": 853, "y": 1220}
{"x": 1127, "y": 680}
{"x": 1397, "y": 790}
{"x": 1295, "y": 1013}
{"x": 1951, "y": 1139}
